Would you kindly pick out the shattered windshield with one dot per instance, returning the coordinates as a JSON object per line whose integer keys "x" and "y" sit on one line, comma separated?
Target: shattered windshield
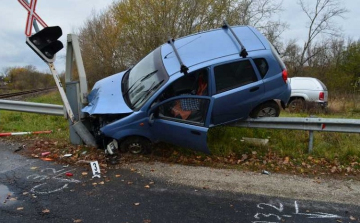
{"x": 143, "y": 80}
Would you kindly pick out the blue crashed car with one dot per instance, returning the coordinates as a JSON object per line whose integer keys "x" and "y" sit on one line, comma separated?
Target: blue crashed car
{"x": 186, "y": 86}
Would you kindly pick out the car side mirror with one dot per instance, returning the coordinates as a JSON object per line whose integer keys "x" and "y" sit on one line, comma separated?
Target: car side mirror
{"x": 151, "y": 118}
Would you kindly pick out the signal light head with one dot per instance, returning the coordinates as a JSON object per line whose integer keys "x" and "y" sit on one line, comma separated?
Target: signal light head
{"x": 45, "y": 43}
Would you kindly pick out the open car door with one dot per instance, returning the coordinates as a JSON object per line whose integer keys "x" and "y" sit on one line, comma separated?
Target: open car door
{"x": 183, "y": 121}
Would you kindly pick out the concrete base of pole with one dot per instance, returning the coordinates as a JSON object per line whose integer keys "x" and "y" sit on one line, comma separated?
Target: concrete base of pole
{"x": 84, "y": 134}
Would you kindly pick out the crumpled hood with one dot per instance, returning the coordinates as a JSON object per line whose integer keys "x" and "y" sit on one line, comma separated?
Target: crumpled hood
{"x": 106, "y": 97}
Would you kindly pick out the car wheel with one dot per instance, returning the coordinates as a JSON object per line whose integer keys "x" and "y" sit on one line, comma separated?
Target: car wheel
{"x": 268, "y": 109}
{"x": 297, "y": 105}
{"x": 135, "y": 145}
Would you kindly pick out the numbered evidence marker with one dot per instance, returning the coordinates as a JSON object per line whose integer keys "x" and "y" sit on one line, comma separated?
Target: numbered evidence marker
{"x": 95, "y": 169}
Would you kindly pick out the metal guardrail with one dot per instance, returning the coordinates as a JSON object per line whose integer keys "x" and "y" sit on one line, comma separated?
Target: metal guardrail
{"x": 40, "y": 108}
{"x": 310, "y": 124}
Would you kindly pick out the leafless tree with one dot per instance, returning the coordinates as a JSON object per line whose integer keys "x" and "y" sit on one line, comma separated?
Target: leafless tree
{"x": 321, "y": 15}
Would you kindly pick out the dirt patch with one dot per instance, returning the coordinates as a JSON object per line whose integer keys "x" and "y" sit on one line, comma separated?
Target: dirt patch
{"x": 279, "y": 185}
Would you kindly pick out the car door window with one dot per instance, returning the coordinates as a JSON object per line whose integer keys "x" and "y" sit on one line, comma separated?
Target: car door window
{"x": 187, "y": 109}
{"x": 233, "y": 75}
{"x": 262, "y": 66}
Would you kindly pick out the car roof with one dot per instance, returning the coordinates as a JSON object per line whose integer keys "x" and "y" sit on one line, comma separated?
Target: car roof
{"x": 205, "y": 46}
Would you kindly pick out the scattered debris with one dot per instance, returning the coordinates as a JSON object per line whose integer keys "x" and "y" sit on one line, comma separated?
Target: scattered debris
{"x": 352, "y": 218}
{"x": 67, "y": 155}
{"x": 137, "y": 204}
{"x": 19, "y": 148}
{"x": 20, "y": 208}
{"x": 47, "y": 159}
{"x": 45, "y": 211}
{"x": 23, "y": 133}
{"x": 7, "y": 198}
{"x": 255, "y": 141}
{"x": 45, "y": 153}
{"x": 265, "y": 172}
{"x": 82, "y": 161}
{"x": 69, "y": 174}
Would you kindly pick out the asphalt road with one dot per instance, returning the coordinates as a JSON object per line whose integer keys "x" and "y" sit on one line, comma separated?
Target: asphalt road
{"x": 32, "y": 190}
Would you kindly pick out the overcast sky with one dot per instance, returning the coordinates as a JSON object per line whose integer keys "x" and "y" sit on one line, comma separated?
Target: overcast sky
{"x": 71, "y": 14}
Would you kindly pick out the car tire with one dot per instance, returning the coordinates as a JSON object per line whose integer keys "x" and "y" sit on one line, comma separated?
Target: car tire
{"x": 267, "y": 109}
{"x": 136, "y": 145}
{"x": 297, "y": 105}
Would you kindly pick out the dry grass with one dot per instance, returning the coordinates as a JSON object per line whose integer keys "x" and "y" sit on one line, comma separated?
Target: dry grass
{"x": 344, "y": 103}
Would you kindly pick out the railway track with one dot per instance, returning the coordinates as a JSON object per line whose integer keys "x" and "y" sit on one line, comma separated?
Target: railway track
{"x": 23, "y": 93}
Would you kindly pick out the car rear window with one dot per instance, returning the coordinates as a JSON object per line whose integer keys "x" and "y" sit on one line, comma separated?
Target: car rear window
{"x": 322, "y": 85}
{"x": 262, "y": 66}
{"x": 232, "y": 75}
{"x": 276, "y": 55}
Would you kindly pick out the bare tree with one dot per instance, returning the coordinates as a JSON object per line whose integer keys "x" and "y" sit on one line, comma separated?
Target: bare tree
{"x": 320, "y": 14}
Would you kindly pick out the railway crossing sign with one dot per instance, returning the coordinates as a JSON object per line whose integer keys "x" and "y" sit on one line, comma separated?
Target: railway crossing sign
{"x": 31, "y": 15}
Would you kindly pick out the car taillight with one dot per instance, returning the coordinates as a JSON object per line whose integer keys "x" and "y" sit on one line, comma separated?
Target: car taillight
{"x": 321, "y": 96}
{"x": 284, "y": 75}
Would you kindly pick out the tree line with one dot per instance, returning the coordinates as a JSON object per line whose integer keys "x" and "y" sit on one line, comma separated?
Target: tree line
{"x": 24, "y": 78}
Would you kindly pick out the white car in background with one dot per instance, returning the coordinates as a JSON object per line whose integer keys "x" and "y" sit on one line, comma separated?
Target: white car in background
{"x": 306, "y": 91}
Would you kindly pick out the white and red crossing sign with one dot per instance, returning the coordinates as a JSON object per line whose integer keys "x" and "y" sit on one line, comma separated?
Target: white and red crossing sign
{"x": 31, "y": 15}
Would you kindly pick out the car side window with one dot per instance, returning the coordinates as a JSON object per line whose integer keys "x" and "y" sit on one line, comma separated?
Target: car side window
{"x": 195, "y": 83}
{"x": 187, "y": 110}
{"x": 232, "y": 75}
{"x": 262, "y": 66}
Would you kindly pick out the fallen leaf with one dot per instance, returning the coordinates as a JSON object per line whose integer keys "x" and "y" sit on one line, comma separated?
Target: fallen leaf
{"x": 147, "y": 186}
{"x": 129, "y": 183}
{"x": 94, "y": 184}
{"x": 77, "y": 221}
{"x": 117, "y": 175}
{"x": 352, "y": 218}
{"x": 102, "y": 182}
{"x": 333, "y": 169}
{"x": 46, "y": 211}
{"x": 84, "y": 173}
{"x": 151, "y": 182}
